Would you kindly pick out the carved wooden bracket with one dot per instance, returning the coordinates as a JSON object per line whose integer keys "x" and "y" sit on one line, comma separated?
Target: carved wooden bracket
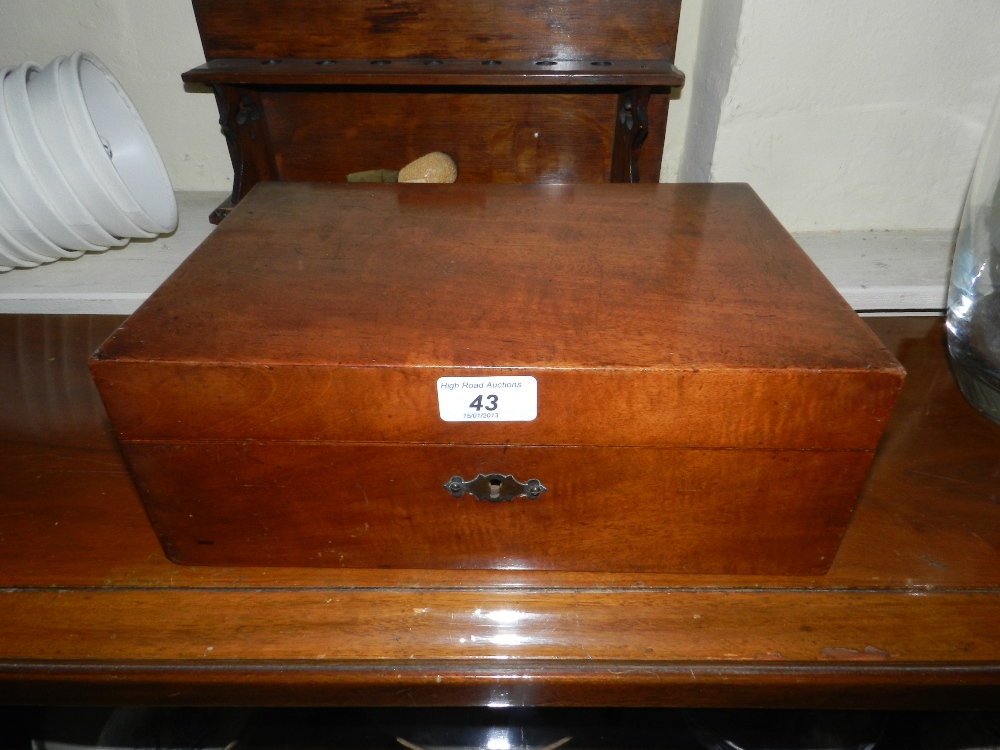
{"x": 631, "y": 129}
{"x": 244, "y": 124}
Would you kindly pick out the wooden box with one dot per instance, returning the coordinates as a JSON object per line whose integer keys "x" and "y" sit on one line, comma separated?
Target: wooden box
{"x": 704, "y": 401}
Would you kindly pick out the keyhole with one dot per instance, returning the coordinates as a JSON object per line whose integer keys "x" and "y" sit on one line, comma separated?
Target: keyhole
{"x": 494, "y": 489}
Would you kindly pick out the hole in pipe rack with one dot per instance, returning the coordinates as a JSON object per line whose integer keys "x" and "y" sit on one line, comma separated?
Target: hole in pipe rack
{"x": 491, "y": 62}
{"x": 381, "y": 62}
{"x": 326, "y": 62}
{"x": 601, "y": 62}
{"x": 545, "y": 62}
{"x": 270, "y": 62}
{"x": 433, "y": 62}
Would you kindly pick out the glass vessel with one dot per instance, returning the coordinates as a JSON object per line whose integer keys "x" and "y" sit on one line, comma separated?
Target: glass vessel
{"x": 974, "y": 297}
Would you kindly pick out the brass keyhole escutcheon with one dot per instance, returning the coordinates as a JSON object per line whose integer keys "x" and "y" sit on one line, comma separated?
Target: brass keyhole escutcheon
{"x": 495, "y": 488}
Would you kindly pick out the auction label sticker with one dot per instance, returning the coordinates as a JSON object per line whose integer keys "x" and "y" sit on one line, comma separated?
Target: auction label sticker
{"x": 501, "y": 399}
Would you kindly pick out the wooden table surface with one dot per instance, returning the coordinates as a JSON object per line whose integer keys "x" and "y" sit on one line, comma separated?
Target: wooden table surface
{"x": 92, "y": 612}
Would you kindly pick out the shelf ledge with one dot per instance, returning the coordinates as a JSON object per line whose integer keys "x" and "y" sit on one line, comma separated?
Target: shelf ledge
{"x": 436, "y": 72}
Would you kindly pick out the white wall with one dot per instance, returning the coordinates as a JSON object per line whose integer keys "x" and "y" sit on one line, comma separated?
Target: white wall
{"x": 147, "y": 44}
{"x": 706, "y": 52}
{"x": 850, "y": 114}
{"x": 843, "y": 114}
{"x": 680, "y": 115}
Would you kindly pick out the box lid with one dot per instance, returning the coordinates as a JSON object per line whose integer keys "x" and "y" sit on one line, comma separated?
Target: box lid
{"x": 649, "y": 315}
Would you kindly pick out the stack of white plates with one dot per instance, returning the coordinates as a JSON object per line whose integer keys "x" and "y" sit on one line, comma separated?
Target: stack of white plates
{"x": 78, "y": 169}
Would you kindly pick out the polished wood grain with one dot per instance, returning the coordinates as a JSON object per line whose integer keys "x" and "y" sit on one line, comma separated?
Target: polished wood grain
{"x": 526, "y": 134}
{"x": 621, "y": 509}
{"x": 438, "y": 72}
{"x": 495, "y": 276}
{"x": 716, "y": 307}
{"x": 91, "y": 611}
{"x": 582, "y": 404}
{"x": 454, "y": 626}
{"x": 318, "y": 440}
{"x": 462, "y": 29}
{"x": 506, "y": 135}
{"x": 523, "y": 92}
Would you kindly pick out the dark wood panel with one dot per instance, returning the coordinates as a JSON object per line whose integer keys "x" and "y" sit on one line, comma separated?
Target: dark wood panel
{"x": 511, "y": 682}
{"x": 620, "y": 509}
{"x": 471, "y": 29}
{"x": 650, "y": 149}
{"x": 500, "y": 136}
{"x": 612, "y": 406}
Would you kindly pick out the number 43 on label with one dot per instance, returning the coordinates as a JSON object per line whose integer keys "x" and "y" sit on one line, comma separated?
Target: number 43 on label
{"x": 499, "y": 399}
{"x": 492, "y": 398}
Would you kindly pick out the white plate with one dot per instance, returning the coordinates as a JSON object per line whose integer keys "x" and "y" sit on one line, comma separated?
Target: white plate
{"x": 53, "y": 123}
{"x": 10, "y": 256}
{"x": 30, "y": 244}
{"x": 43, "y": 165}
{"x": 24, "y": 240}
{"x": 116, "y": 143}
{"x": 15, "y": 173}
{"x": 21, "y": 240}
